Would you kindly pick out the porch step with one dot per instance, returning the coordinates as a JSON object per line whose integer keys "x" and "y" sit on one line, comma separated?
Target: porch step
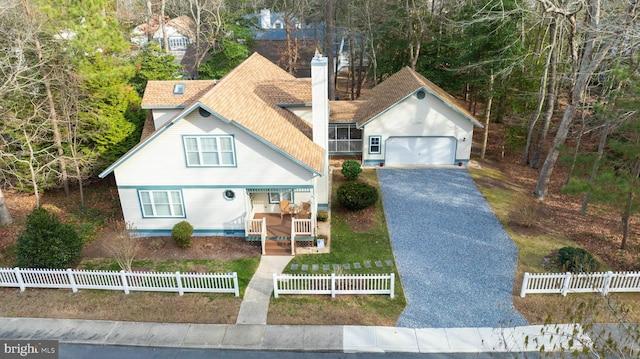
{"x": 277, "y": 248}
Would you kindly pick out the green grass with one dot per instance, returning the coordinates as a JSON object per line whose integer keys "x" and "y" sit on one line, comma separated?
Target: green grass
{"x": 245, "y": 267}
{"x": 350, "y": 247}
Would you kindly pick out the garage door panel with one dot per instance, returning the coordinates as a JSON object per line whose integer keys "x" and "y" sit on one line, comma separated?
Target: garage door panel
{"x": 404, "y": 151}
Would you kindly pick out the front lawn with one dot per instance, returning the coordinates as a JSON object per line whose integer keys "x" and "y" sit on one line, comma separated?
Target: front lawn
{"x": 356, "y": 237}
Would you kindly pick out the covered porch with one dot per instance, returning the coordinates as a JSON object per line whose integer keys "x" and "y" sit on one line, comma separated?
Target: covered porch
{"x": 278, "y": 232}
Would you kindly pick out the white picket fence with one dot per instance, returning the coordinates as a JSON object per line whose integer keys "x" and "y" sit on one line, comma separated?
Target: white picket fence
{"x": 563, "y": 283}
{"x": 333, "y": 284}
{"x": 125, "y": 281}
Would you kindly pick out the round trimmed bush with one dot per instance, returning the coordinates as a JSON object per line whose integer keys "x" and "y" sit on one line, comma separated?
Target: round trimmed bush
{"x": 576, "y": 260}
{"x": 356, "y": 196}
{"x": 322, "y": 216}
{"x": 351, "y": 169}
{"x": 181, "y": 234}
{"x": 46, "y": 242}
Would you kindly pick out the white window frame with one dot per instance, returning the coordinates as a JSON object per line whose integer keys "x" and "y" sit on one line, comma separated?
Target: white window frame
{"x": 218, "y": 153}
{"x": 175, "y": 203}
{"x": 276, "y": 197}
{"x": 372, "y": 144}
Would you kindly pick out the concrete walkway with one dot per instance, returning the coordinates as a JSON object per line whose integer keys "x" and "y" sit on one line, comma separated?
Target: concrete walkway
{"x": 348, "y": 339}
{"x": 255, "y": 304}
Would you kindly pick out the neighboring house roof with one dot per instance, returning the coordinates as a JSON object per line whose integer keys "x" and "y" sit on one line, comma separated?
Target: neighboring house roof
{"x": 397, "y": 87}
{"x": 159, "y": 94}
{"x": 185, "y": 25}
{"x": 247, "y": 97}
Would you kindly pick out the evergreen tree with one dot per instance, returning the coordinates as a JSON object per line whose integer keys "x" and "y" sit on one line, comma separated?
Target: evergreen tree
{"x": 47, "y": 243}
{"x": 153, "y": 64}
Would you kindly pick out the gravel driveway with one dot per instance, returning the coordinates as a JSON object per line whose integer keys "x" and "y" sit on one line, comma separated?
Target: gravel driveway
{"x": 456, "y": 261}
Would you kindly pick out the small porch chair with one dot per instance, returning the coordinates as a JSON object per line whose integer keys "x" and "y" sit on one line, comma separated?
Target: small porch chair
{"x": 285, "y": 207}
{"x": 305, "y": 209}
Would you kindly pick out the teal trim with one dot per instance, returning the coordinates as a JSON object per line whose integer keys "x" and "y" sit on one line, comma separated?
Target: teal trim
{"x": 233, "y": 146}
{"x": 336, "y": 153}
{"x": 196, "y": 232}
{"x": 277, "y": 149}
{"x": 473, "y": 121}
{"x": 184, "y": 210}
{"x": 180, "y": 116}
{"x": 242, "y": 186}
{"x": 373, "y": 163}
{"x": 163, "y": 107}
{"x": 285, "y": 105}
{"x": 323, "y": 207}
{"x": 379, "y": 144}
{"x": 142, "y": 144}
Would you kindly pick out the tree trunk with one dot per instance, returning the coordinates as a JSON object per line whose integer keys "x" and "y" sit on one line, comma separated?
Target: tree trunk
{"x": 594, "y": 169}
{"x": 487, "y": 117}
{"x": 542, "y": 91}
{"x": 329, "y": 50}
{"x": 582, "y": 69}
{"x": 53, "y": 115}
{"x": 165, "y": 37}
{"x": 5, "y": 216}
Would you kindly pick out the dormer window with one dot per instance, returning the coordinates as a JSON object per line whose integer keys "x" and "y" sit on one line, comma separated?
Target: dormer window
{"x": 178, "y": 89}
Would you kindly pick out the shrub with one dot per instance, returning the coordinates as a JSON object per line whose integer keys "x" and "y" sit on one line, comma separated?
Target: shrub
{"x": 46, "y": 242}
{"x": 576, "y": 260}
{"x": 357, "y": 195}
{"x": 351, "y": 169}
{"x": 525, "y": 212}
{"x": 181, "y": 234}
{"x": 322, "y": 216}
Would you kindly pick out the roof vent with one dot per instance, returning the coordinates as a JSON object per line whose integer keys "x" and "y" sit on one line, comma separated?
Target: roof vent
{"x": 178, "y": 89}
{"x": 420, "y": 94}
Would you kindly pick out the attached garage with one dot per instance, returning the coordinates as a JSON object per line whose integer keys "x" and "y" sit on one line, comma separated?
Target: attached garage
{"x": 417, "y": 151}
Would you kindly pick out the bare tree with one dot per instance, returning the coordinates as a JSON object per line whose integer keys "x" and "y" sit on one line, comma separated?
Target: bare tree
{"x": 596, "y": 43}
{"x": 122, "y": 243}
{"x": 46, "y": 81}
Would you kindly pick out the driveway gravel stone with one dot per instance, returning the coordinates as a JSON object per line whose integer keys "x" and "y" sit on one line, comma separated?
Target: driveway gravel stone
{"x": 455, "y": 259}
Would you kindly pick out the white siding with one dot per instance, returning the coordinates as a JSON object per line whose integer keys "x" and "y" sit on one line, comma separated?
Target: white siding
{"x": 304, "y": 112}
{"x": 162, "y": 161}
{"x": 162, "y": 116}
{"x": 161, "y": 164}
{"x": 415, "y": 117}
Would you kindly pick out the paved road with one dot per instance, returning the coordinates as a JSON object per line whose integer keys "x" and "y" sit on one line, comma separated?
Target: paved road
{"x": 456, "y": 261}
{"x": 81, "y": 351}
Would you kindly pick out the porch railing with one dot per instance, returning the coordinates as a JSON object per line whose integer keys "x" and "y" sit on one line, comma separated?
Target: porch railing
{"x": 257, "y": 228}
{"x": 300, "y": 227}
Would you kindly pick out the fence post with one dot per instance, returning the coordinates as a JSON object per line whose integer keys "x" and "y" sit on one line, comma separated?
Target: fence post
{"x": 333, "y": 285}
{"x": 393, "y": 285}
{"x": 235, "y": 284}
{"x": 125, "y": 285}
{"x": 16, "y": 270}
{"x": 179, "y": 283}
{"x": 275, "y": 285}
{"x": 525, "y": 284}
{"x": 607, "y": 283}
{"x": 72, "y": 280}
{"x": 565, "y": 284}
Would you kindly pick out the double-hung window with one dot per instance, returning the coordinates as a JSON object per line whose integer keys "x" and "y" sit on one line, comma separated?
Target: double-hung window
{"x": 161, "y": 203}
{"x": 276, "y": 197}
{"x": 209, "y": 151}
{"x": 374, "y": 144}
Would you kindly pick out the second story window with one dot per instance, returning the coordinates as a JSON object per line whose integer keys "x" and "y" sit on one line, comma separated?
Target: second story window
{"x": 209, "y": 151}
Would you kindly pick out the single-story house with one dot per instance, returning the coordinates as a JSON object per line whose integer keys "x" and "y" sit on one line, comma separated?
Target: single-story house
{"x": 248, "y": 155}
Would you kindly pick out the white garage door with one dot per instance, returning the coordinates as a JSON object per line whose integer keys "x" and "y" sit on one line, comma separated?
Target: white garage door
{"x": 407, "y": 151}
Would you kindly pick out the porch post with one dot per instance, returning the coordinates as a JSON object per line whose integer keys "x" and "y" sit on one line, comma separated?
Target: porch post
{"x": 293, "y": 236}
{"x": 263, "y": 236}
